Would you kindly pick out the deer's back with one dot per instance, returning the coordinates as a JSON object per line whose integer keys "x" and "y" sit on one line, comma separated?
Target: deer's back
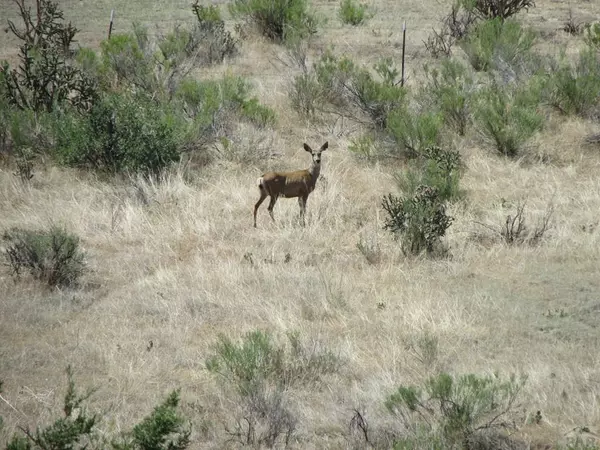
{"x": 288, "y": 184}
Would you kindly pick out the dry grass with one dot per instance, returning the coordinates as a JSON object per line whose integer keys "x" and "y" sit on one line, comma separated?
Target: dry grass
{"x": 168, "y": 265}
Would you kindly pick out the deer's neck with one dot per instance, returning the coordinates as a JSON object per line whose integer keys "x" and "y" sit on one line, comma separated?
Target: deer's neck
{"x": 314, "y": 170}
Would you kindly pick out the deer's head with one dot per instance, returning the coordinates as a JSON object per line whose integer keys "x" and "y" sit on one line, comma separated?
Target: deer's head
{"x": 316, "y": 154}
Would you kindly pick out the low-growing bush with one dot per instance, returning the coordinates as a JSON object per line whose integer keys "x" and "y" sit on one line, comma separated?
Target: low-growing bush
{"x": 575, "y": 89}
{"x": 353, "y": 13}
{"x": 278, "y": 20}
{"x": 420, "y": 221}
{"x": 453, "y": 411}
{"x": 210, "y": 36}
{"x": 450, "y": 89}
{"x": 497, "y": 9}
{"x": 437, "y": 168}
{"x": 121, "y": 133}
{"x": 592, "y": 34}
{"x": 509, "y": 117}
{"x": 52, "y": 256}
{"x": 415, "y": 132}
{"x": 494, "y": 44}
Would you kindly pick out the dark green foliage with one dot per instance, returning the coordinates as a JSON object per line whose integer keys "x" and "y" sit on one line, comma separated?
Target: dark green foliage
{"x": 420, "y": 221}
{"x": 353, "y": 13}
{"x": 449, "y": 411}
{"x": 69, "y": 432}
{"x": 438, "y": 168}
{"x": 52, "y": 256}
{"x": 164, "y": 429}
{"x": 46, "y": 77}
{"x": 278, "y": 20}
{"x": 210, "y": 33}
{"x": 121, "y": 133}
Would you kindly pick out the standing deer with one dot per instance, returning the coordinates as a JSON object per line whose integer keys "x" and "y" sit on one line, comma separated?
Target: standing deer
{"x": 299, "y": 183}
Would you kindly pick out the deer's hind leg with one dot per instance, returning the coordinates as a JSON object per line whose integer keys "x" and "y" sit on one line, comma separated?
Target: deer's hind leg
{"x": 263, "y": 195}
{"x": 272, "y": 205}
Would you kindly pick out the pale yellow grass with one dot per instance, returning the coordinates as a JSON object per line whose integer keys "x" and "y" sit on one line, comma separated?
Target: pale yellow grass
{"x": 176, "y": 262}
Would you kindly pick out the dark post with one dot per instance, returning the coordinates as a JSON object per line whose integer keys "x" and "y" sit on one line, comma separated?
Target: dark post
{"x": 112, "y": 13}
{"x": 403, "y": 48}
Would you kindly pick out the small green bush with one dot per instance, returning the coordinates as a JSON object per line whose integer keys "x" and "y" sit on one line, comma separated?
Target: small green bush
{"x": 415, "y": 132}
{"x": 494, "y": 44}
{"x": 164, "y": 429}
{"x": 74, "y": 430}
{"x": 52, "y": 255}
{"x": 496, "y": 9}
{"x": 278, "y": 20}
{"x": 576, "y": 89}
{"x": 259, "y": 360}
{"x": 450, "y": 411}
{"x": 592, "y": 35}
{"x": 210, "y": 34}
{"x": 125, "y": 61}
{"x": 121, "y": 133}
{"x": 508, "y": 118}
{"x": 437, "y": 168}
{"x": 450, "y": 88}
{"x": 306, "y": 94}
{"x": 353, "y": 13}
{"x": 420, "y": 220}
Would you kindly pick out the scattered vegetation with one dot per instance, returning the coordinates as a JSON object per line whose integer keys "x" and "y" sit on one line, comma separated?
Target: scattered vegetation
{"x": 453, "y": 411}
{"x": 278, "y": 20}
{"x": 163, "y": 429}
{"x": 52, "y": 256}
{"x": 353, "y": 13}
{"x": 260, "y": 373}
{"x": 420, "y": 221}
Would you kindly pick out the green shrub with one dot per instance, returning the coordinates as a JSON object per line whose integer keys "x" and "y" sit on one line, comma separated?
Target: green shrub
{"x": 164, "y": 429}
{"x": 52, "y": 255}
{"x": 363, "y": 146}
{"x": 451, "y": 411}
{"x": 420, "y": 221}
{"x": 592, "y": 35}
{"x": 508, "y": 118}
{"x": 74, "y": 430}
{"x": 278, "y": 20}
{"x": 450, "y": 88}
{"x": 211, "y": 36}
{"x": 353, "y": 13}
{"x": 497, "y": 44}
{"x": 576, "y": 89}
{"x": 306, "y": 94}
{"x": 124, "y": 61}
{"x": 45, "y": 76}
{"x": 259, "y": 360}
{"x": 121, "y": 133}
{"x": 496, "y": 9}
{"x": 437, "y": 168}
{"x": 415, "y": 132}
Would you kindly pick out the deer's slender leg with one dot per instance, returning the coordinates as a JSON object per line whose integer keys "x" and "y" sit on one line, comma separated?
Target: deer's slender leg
{"x": 263, "y": 195}
{"x": 271, "y": 206}
{"x": 302, "y": 202}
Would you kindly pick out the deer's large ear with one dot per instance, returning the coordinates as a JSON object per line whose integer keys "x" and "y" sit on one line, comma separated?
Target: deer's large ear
{"x": 325, "y": 146}
{"x": 307, "y": 148}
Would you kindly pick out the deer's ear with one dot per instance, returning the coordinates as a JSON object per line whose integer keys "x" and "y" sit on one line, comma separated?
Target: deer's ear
{"x": 307, "y": 148}
{"x": 325, "y": 146}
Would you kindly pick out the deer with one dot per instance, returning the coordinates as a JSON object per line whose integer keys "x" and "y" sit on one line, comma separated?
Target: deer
{"x": 298, "y": 183}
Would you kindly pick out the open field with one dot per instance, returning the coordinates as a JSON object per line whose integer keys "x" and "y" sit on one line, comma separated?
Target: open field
{"x": 177, "y": 262}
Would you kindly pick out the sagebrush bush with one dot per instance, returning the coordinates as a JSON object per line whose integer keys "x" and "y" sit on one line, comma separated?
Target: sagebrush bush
{"x": 495, "y": 44}
{"x": 52, "y": 255}
{"x": 509, "y": 117}
{"x": 575, "y": 89}
{"x": 451, "y": 411}
{"x": 259, "y": 360}
{"x": 414, "y": 132}
{"x": 278, "y": 20}
{"x": 353, "y": 13}
{"x": 306, "y": 94}
{"x": 497, "y": 9}
{"x": 121, "y": 133}
{"x": 353, "y": 91}
{"x": 210, "y": 36}
{"x": 592, "y": 34}
{"x": 419, "y": 221}
{"x": 450, "y": 89}
{"x": 437, "y": 168}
